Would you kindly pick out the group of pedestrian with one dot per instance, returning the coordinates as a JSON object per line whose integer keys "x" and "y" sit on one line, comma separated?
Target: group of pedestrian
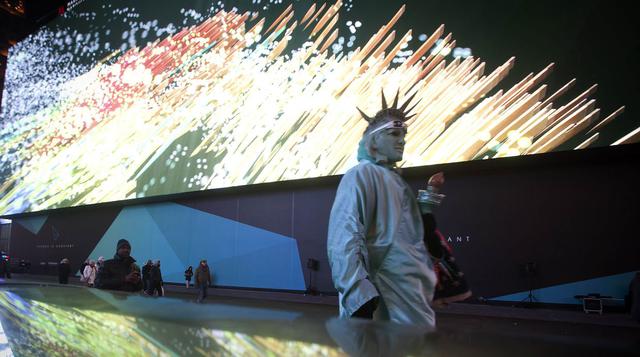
{"x": 152, "y": 278}
{"x": 122, "y": 273}
{"x": 89, "y": 271}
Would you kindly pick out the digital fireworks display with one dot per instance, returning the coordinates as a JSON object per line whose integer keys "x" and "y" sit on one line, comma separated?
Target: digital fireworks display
{"x": 109, "y": 105}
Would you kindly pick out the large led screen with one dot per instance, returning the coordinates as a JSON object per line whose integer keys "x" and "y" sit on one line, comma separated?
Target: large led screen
{"x": 119, "y": 99}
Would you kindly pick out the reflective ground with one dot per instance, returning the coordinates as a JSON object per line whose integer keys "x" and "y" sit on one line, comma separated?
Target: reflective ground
{"x": 51, "y": 320}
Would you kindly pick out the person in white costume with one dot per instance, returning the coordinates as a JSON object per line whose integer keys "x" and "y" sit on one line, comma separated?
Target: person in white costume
{"x": 379, "y": 262}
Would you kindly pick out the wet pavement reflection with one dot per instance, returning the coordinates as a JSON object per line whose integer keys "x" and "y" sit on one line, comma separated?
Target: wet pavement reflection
{"x": 66, "y": 320}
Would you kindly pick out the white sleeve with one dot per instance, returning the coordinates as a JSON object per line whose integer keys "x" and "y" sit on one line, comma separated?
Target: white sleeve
{"x": 346, "y": 243}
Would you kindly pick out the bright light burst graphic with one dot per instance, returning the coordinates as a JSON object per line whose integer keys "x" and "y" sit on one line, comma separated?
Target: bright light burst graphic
{"x": 227, "y": 102}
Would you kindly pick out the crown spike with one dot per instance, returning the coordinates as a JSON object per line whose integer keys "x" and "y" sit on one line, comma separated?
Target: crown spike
{"x": 407, "y": 102}
{"x": 384, "y": 100}
{"x": 413, "y": 107}
{"x": 364, "y": 115}
{"x": 395, "y": 100}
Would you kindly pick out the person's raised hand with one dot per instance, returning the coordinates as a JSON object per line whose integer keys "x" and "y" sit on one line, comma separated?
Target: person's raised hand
{"x": 132, "y": 277}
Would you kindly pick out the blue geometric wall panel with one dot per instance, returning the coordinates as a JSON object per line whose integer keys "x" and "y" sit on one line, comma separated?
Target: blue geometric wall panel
{"x": 616, "y": 286}
{"x": 238, "y": 254}
{"x": 147, "y": 241}
{"x": 32, "y": 224}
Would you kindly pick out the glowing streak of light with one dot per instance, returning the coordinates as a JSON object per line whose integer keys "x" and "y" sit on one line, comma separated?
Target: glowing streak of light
{"x": 630, "y": 138}
{"x": 268, "y": 114}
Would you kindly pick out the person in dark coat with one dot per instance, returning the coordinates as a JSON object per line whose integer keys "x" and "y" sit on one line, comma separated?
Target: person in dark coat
{"x": 146, "y": 270}
{"x": 117, "y": 273}
{"x": 64, "y": 269}
{"x": 187, "y": 275}
{"x": 4, "y": 266}
{"x": 155, "y": 280}
{"x": 99, "y": 265}
{"x": 84, "y": 265}
{"x": 203, "y": 279}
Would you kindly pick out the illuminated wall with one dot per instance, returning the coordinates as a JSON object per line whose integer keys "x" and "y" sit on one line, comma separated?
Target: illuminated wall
{"x": 112, "y": 101}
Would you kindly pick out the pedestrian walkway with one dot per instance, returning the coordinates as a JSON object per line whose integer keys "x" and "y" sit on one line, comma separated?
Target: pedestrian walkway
{"x": 181, "y": 291}
{"x": 511, "y": 313}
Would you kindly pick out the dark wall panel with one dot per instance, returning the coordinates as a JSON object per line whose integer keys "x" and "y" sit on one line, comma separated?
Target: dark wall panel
{"x": 69, "y": 235}
{"x": 272, "y": 211}
{"x": 311, "y": 212}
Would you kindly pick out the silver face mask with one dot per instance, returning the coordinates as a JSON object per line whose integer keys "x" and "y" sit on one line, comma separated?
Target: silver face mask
{"x": 388, "y": 143}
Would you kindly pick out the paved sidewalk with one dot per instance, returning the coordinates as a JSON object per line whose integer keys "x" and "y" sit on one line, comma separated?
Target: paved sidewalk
{"x": 453, "y": 311}
{"x": 181, "y": 291}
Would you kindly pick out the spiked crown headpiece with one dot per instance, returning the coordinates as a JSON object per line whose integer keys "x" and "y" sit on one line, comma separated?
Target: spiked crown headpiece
{"x": 389, "y": 116}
